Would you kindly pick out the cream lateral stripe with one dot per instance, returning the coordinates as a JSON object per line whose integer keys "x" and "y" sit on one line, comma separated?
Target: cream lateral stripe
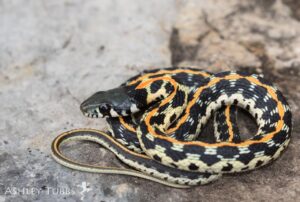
{"x": 60, "y": 158}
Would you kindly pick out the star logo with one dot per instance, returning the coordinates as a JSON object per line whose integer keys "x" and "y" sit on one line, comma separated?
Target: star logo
{"x": 85, "y": 188}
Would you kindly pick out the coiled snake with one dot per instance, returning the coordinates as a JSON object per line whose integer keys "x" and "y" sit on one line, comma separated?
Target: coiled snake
{"x": 156, "y": 117}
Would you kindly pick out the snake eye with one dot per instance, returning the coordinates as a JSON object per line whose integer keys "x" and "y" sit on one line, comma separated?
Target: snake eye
{"x": 104, "y": 107}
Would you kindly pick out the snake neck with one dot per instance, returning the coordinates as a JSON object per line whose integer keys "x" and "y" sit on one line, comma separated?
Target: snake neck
{"x": 167, "y": 99}
{"x": 130, "y": 99}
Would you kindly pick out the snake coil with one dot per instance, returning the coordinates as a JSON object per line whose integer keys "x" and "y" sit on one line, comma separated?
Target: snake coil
{"x": 156, "y": 117}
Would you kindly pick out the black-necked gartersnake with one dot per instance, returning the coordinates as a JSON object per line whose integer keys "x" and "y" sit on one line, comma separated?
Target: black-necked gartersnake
{"x": 156, "y": 117}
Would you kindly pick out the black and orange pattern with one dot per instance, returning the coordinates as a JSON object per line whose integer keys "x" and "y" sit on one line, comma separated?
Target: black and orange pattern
{"x": 156, "y": 117}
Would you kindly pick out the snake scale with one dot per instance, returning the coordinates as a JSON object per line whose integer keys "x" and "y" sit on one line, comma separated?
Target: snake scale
{"x": 156, "y": 117}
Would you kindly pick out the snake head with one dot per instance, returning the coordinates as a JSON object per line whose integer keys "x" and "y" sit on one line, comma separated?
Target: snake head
{"x": 112, "y": 103}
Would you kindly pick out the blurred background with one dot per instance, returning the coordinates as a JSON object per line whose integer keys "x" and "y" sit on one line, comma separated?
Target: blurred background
{"x": 54, "y": 54}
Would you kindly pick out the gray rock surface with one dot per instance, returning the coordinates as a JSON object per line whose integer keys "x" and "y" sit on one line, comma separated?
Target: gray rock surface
{"x": 53, "y": 54}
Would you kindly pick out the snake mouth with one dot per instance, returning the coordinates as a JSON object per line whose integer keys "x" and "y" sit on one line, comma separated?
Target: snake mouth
{"x": 93, "y": 109}
{"x": 92, "y": 115}
{"x": 92, "y": 112}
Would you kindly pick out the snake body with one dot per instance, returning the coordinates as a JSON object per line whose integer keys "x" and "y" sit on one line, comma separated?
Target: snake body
{"x": 155, "y": 119}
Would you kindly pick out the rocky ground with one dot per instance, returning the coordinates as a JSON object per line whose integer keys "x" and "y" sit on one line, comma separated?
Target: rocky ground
{"x": 54, "y": 54}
